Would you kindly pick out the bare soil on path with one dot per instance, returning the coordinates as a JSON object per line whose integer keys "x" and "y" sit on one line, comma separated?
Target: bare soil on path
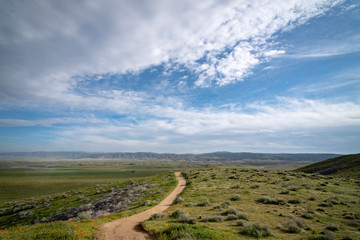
{"x": 129, "y": 228}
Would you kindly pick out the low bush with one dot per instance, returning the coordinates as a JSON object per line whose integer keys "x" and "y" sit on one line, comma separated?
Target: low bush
{"x": 178, "y": 199}
{"x": 255, "y": 230}
{"x": 327, "y": 235}
{"x": 240, "y": 223}
{"x": 307, "y": 216}
{"x": 179, "y": 213}
{"x": 294, "y": 201}
{"x": 285, "y": 192}
{"x": 231, "y": 217}
{"x": 268, "y": 200}
{"x": 353, "y": 223}
{"x": 236, "y": 197}
{"x": 332, "y": 227}
{"x": 186, "y": 219}
{"x": 216, "y": 218}
{"x": 243, "y": 216}
{"x": 204, "y": 204}
{"x": 217, "y": 207}
{"x": 157, "y": 216}
{"x": 229, "y": 211}
{"x": 293, "y": 226}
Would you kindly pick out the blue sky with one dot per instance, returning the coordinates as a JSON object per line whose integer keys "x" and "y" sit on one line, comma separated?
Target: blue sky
{"x": 180, "y": 76}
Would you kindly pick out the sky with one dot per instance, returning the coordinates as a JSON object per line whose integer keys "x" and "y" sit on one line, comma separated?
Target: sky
{"x": 180, "y": 76}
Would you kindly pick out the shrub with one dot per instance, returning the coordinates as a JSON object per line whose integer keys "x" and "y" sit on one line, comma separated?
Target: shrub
{"x": 334, "y": 201}
{"x": 240, "y": 223}
{"x": 325, "y": 204}
{"x": 186, "y": 219}
{"x": 156, "y": 216}
{"x": 353, "y": 223}
{"x": 294, "y": 201}
{"x": 178, "y": 213}
{"x": 284, "y": 192}
{"x": 255, "y": 230}
{"x": 268, "y": 200}
{"x": 327, "y": 235}
{"x": 84, "y": 216}
{"x": 312, "y": 198}
{"x": 255, "y": 186}
{"x": 226, "y": 204}
{"x": 231, "y": 217}
{"x": 230, "y": 211}
{"x": 204, "y": 204}
{"x": 332, "y": 227}
{"x": 218, "y": 207}
{"x": 309, "y": 210}
{"x": 236, "y": 197}
{"x": 293, "y": 226}
{"x": 178, "y": 199}
{"x": 236, "y": 186}
{"x": 216, "y": 218}
{"x": 243, "y": 216}
{"x": 351, "y": 216}
{"x": 307, "y": 216}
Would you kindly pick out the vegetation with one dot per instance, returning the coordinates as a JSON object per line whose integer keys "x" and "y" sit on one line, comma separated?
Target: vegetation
{"x": 263, "y": 212}
{"x": 17, "y": 218}
{"x": 347, "y": 165}
{"x": 218, "y": 202}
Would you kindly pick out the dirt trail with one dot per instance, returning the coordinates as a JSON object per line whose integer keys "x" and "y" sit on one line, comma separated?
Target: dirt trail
{"x": 129, "y": 228}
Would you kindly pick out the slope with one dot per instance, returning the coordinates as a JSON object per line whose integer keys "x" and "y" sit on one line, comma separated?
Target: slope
{"x": 347, "y": 165}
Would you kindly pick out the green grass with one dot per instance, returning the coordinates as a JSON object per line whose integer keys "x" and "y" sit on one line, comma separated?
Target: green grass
{"x": 32, "y": 178}
{"x": 218, "y": 186}
{"x": 347, "y": 165}
{"x": 26, "y": 183}
{"x": 162, "y": 184}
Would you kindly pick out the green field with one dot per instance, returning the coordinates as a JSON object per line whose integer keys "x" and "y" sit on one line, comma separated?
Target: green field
{"x": 25, "y": 183}
{"x": 25, "y": 179}
{"x": 31, "y": 178}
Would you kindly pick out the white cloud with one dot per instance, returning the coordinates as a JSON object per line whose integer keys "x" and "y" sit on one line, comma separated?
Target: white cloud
{"x": 48, "y": 122}
{"x": 328, "y": 48}
{"x": 180, "y": 130}
{"x": 45, "y": 44}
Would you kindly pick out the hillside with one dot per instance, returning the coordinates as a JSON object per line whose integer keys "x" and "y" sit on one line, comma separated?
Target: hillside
{"x": 236, "y": 204}
{"x": 347, "y": 165}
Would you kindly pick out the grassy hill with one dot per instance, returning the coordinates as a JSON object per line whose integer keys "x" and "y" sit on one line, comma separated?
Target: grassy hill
{"x": 347, "y": 165}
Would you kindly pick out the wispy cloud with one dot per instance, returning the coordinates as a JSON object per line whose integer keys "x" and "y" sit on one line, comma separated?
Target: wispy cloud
{"x": 48, "y": 122}
{"x": 329, "y": 48}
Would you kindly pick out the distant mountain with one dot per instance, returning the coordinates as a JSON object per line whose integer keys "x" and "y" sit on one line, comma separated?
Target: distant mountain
{"x": 347, "y": 165}
{"x": 244, "y": 157}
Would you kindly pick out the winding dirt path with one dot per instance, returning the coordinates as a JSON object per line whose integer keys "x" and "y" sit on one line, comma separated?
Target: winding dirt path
{"x": 129, "y": 228}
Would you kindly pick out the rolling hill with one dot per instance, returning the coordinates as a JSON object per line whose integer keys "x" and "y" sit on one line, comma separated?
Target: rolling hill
{"x": 347, "y": 165}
